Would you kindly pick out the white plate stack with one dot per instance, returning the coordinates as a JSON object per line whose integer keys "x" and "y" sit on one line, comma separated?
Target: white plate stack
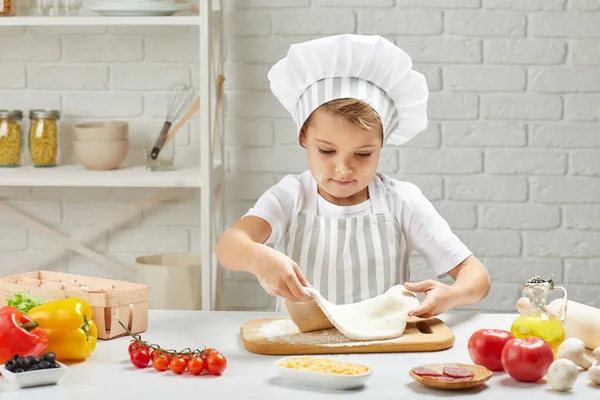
{"x": 136, "y": 7}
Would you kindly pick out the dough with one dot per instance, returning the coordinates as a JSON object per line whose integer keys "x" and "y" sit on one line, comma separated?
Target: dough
{"x": 382, "y": 317}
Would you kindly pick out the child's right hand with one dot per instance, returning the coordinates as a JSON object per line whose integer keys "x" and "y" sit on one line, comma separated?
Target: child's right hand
{"x": 279, "y": 274}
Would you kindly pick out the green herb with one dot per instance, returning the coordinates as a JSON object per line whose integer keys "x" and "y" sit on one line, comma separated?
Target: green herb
{"x": 25, "y": 302}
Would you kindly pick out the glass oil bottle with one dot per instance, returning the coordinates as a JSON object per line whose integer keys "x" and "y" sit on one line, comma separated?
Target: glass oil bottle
{"x": 538, "y": 321}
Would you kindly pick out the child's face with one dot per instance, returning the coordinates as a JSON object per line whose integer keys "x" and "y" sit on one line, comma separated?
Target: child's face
{"x": 342, "y": 157}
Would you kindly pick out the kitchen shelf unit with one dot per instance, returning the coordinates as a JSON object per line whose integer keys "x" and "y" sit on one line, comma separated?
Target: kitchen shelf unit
{"x": 208, "y": 177}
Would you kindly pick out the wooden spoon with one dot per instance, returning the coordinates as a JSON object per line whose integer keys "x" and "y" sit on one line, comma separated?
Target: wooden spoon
{"x": 480, "y": 375}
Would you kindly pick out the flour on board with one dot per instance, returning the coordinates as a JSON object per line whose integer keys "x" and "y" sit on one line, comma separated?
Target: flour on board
{"x": 285, "y": 331}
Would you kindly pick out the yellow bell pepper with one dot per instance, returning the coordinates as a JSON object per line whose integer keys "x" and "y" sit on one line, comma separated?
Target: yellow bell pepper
{"x": 68, "y": 323}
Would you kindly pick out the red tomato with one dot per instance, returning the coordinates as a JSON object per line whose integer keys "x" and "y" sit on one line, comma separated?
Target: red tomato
{"x": 485, "y": 347}
{"x": 133, "y": 346}
{"x": 160, "y": 363}
{"x": 216, "y": 364}
{"x": 528, "y": 359}
{"x": 178, "y": 365}
{"x": 140, "y": 358}
{"x": 195, "y": 365}
{"x": 207, "y": 352}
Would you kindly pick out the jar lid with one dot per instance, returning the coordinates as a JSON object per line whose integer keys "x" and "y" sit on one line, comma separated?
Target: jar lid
{"x": 44, "y": 114}
{"x": 11, "y": 114}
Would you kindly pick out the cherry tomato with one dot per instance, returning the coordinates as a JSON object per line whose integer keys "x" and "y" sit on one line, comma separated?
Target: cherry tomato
{"x": 140, "y": 358}
{"x": 160, "y": 363}
{"x": 195, "y": 365}
{"x": 216, "y": 364}
{"x": 528, "y": 359}
{"x": 485, "y": 347}
{"x": 178, "y": 365}
{"x": 186, "y": 357}
{"x": 133, "y": 346}
{"x": 207, "y": 352}
{"x": 155, "y": 353}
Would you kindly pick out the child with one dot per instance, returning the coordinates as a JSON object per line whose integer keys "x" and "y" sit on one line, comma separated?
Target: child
{"x": 341, "y": 227}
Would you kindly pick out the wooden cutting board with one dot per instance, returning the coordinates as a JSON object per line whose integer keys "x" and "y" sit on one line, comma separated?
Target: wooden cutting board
{"x": 280, "y": 336}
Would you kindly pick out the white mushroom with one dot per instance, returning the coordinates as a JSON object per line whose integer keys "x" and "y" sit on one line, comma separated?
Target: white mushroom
{"x": 562, "y": 374}
{"x": 594, "y": 372}
{"x": 574, "y": 349}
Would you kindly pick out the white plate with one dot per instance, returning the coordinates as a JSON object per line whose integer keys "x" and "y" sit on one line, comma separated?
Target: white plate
{"x": 320, "y": 379}
{"x": 155, "y": 8}
{"x": 41, "y": 377}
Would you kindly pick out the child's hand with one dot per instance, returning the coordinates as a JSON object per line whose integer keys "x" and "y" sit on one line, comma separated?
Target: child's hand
{"x": 279, "y": 274}
{"x": 439, "y": 298}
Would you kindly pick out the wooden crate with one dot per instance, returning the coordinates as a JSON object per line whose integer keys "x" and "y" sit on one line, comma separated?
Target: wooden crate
{"x": 106, "y": 296}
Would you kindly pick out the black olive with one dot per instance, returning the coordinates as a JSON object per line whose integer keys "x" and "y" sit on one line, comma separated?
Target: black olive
{"x": 50, "y": 357}
{"x": 33, "y": 360}
{"x": 34, "y": 367}
{"x": 55, "y": 365}
{"x": 15, "y": 357}
{"x": 11, "y": 365}
{"x": 23, "y": 362}
{"x": 19, "y": 370}
{"x": 45, "y": 364}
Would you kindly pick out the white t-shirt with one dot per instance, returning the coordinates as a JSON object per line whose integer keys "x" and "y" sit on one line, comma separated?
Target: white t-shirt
{"x": 423, "y": 227}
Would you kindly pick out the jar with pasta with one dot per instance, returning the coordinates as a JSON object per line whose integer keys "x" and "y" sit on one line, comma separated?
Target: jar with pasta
{"x": 44, "y": 138}
{"x": 11, "y": 138}
{"x": 8, "y": 8}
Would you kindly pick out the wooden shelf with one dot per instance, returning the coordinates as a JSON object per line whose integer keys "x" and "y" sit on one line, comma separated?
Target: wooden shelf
{"x": 98, "y": 20}
{"x": 77, "y": 175}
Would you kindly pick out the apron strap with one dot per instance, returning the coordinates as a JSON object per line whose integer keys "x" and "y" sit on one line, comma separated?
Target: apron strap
{"x": 379, "y": 202}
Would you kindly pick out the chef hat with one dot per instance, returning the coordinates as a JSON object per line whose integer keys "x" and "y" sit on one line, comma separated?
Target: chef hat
{"x": 368, "y": 68}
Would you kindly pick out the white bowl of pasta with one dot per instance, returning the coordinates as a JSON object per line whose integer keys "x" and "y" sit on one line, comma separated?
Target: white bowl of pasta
{"x": 323, "y": 372}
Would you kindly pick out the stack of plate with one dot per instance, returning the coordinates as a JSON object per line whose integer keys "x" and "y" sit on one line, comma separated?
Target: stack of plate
{"x": 136, "y": 7}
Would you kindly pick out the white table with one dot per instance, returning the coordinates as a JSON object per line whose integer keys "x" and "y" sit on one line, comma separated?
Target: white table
{"x": 108, "y": 374}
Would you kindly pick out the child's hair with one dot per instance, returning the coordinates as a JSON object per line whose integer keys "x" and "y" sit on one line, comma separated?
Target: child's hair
{"x": 355, "y": 111}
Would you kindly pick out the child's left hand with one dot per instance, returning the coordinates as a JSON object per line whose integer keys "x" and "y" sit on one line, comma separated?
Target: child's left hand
{"x": 439, "y": 298}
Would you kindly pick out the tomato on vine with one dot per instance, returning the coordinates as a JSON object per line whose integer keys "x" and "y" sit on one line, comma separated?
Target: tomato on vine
{"x": 216, "y": 364}
{"x": 161, "y": 363}
{"x": 178, "y": 365}
{"x": 140, "y": 358}
{"x": 195, "y": 365}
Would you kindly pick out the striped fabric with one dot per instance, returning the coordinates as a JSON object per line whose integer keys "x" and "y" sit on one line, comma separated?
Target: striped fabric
{"x": 329, "y": 89}
{"x": 349, "y": 260}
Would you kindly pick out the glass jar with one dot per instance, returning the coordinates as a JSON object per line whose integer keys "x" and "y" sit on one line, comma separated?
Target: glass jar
{"x": 11, "y": 137}
{"x": 44, "y": 138}
{"x": 8, "y": 8}
{"x": 538, "y": 321}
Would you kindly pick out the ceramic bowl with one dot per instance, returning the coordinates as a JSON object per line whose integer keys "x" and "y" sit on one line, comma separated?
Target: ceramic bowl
{"x": 103, "y": 131}
{"x": 321, "y": 380}
{"x": 101, "y": 156}
{"x": 41, "y": 377}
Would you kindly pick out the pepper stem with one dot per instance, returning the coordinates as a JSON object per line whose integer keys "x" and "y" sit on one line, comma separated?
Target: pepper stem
{"x": 29, "y": 326}
{"x": 86, "y": 328}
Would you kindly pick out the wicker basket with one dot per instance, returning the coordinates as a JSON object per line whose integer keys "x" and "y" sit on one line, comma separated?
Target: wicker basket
{"x": 106, "y": 297}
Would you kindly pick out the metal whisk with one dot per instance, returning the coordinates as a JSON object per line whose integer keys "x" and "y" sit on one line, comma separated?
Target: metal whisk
{"x": 179, "y": 99}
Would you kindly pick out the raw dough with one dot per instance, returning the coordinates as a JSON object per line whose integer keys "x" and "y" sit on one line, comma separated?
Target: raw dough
{"x": 382, "y": 317}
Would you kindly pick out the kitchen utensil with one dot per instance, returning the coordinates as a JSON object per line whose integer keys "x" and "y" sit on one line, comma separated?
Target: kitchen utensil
{"x": 280, "y": 336}
{"x": 101, "y": 156}
{"x": 189, "y": 113}
{"x": 104, "y": 131}
{"x": 179, "y": 98}
{"x": 480, "y": 375}
{"x": 321, "y": 379}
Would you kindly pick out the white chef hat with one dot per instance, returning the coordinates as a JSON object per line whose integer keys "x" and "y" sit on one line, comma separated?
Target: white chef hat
{"x": 368, "y": 68}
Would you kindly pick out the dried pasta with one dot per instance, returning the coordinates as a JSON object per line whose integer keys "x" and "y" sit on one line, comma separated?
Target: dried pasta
{"x": 324, "y": 365}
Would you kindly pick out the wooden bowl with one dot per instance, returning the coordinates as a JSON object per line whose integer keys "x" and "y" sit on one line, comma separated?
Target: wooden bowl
{"x": 480, "y": 375}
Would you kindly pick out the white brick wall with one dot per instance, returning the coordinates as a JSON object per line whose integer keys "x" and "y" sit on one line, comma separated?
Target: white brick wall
{"x": 510, "y": 158}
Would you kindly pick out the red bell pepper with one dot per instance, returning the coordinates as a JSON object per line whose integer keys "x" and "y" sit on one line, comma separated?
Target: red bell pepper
{"x": 20, "y": 335}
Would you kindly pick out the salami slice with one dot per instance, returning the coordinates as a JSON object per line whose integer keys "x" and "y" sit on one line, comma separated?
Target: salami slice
{"x": 422, "y": 371}
{"x": 458, "y": 373}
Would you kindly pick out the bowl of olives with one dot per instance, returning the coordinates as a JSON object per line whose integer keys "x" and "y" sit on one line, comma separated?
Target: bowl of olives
{"x": 33, "y": 371}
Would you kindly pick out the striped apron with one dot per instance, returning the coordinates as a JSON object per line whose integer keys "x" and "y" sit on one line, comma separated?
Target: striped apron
{"x": 348, "y": 260}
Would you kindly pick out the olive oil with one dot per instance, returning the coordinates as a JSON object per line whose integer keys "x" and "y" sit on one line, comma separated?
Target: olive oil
{"x": 550, "y": 329}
